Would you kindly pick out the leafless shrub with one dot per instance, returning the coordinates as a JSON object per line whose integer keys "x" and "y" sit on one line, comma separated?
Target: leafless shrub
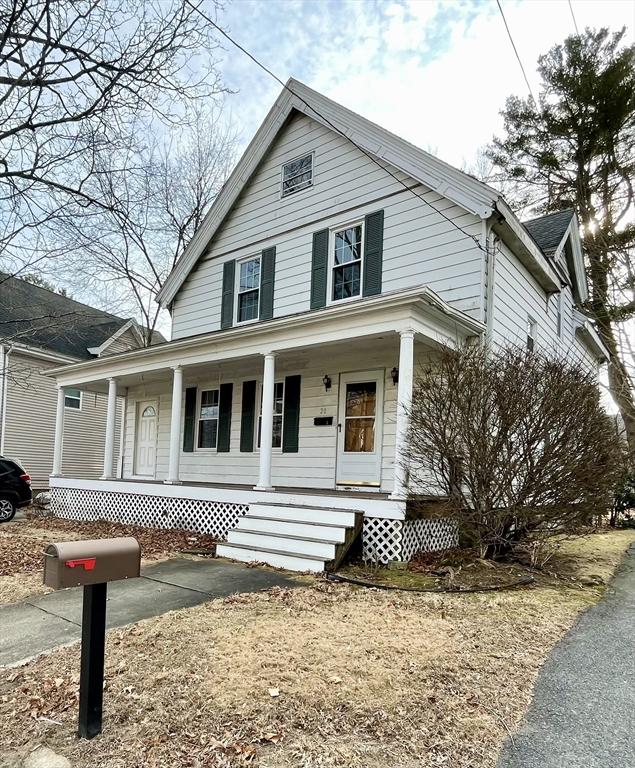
{"x": 517, "y": 442}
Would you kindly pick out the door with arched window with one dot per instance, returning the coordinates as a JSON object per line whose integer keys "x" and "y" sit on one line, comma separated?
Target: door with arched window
{"x": 146, "y": 439}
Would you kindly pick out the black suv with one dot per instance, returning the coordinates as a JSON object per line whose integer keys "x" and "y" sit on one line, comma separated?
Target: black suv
{"x": 15, "y": 488}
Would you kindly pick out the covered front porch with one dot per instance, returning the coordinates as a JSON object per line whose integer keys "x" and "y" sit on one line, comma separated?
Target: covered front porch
{"x": 198, "y": 449}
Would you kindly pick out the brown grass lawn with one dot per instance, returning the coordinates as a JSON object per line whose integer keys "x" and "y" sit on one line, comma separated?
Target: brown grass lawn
{"x": 22, "y": 543}
{"x": 324, "y": 675}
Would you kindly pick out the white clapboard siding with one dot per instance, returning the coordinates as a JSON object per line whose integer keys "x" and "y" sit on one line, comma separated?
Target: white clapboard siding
{"x": 30, "y": 424}
{"x": 314, "y": 464}
{"x": 420, "y": 245}
{"x": 518, "y": 296}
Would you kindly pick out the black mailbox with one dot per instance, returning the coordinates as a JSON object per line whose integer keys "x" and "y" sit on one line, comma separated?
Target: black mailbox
{"x": 91, "y": 564}
{"x": 91, "y": 561}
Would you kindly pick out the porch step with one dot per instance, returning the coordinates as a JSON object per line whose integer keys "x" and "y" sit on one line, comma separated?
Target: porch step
{"x": 300, "y": 513}
{"x": 299, "y": 538}
{"x": 272, "y": 557}
{"x": 285, "y": 543}
{"x": 301, "y": 529}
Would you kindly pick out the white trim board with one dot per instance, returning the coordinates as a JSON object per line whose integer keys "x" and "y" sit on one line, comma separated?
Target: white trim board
{"x": 371, "y": 507}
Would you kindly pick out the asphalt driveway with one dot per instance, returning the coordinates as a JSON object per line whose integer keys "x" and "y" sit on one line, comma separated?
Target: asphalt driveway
{"x": 583, "y": 710}
{"x": 43, "y": 623}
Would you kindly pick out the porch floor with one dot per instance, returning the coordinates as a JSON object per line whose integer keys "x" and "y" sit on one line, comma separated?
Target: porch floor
{"x": 342, "y": 493}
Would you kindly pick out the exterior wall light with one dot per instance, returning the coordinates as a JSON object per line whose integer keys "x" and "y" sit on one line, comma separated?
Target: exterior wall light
{"x": 394, "y": 374}
{"x": 327, "y": 382}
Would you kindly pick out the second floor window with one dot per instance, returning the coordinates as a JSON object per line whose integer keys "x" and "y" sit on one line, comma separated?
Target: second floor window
{"x": 347, "y": 263}
{"x": 248, "y": 289}
{"x": 208, "y": 419}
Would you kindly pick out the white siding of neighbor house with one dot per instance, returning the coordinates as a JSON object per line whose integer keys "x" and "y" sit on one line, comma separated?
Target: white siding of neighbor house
{"x": 420, "y": 245}
{"x": 128, "y": 340}
{"x": 30, "y": 424}
{"x": 517, "y": 296}
{"x": 315, "y": 463}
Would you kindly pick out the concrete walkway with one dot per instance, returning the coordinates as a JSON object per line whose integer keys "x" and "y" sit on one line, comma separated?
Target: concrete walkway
{"x": 46, "y": 622}
{"x": 583, "y": 710}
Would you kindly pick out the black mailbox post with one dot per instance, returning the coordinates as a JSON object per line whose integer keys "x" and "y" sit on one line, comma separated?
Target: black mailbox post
{"x": 91, "y": 564}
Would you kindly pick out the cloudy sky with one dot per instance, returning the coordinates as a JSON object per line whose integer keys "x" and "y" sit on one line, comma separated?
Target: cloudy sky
{"x": 436, "y": 72}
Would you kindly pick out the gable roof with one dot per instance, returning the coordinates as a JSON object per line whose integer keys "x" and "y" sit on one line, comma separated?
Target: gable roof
{"x": 548, "y": 231}
{"x": 461, "y": 188}
{"x": 457, "y": 186}
{"x": 37, "y": 317}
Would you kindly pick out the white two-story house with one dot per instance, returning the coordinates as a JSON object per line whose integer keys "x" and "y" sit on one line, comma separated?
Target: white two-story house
{"x": 335, "y": 259}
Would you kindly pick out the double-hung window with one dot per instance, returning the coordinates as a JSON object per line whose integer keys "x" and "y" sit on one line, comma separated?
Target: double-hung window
{"x": 278, "y": 405}
{"x": 248, "y": 289}
{"x": 531, "y": 334}
{"x": 208, "y": 419}
{"x": 297, "y": 174}
{"x": 346, "y": 269}
{"x": 73, "y": 399}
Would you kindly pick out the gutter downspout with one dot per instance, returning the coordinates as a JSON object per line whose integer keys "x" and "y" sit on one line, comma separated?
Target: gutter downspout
{"x": 4, "y": 376}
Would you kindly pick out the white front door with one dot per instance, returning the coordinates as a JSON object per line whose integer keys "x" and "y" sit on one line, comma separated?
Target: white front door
{"x": 359, "y": 430}
{"x": 146, "y": 442}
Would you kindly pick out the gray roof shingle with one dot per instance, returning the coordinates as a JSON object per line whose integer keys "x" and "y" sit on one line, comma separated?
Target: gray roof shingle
{"x": 548, "y": 231}
{"x": 41, "y": 318}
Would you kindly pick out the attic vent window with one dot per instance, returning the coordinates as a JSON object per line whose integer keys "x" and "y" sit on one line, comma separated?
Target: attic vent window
{"x": 297, "y": 175}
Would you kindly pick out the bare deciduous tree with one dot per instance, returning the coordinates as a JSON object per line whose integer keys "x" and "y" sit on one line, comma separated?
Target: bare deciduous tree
{"x": 516, "y": 442}
{"x": 157, "y": 194}
{"x": 75, "y": 75}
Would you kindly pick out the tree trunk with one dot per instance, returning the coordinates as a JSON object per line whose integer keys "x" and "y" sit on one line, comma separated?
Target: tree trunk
{"x": 620, "y": 385}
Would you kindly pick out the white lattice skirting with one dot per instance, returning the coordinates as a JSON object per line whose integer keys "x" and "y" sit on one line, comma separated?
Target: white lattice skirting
{"x": 385, "y": 540}
{"x": 212, "y": 517}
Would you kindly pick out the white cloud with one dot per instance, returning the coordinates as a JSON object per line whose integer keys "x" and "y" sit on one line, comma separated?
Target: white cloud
{"x": 436, "y": 73}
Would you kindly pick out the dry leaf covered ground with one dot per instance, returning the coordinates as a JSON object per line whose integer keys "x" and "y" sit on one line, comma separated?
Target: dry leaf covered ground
{"x": 23, "y": 541}
{"x": 325, "y": 675}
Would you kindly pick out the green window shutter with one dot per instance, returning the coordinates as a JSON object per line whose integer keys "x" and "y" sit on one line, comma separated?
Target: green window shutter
{"x": 319, "y": 267}
{"x": 373, "y": 253}
{"x": 225, "y": 397}
{"x": 227, "y": 300}
{"x": 267, "y": 275}
{"x": 190, "y": 419}
{"x": 291, "y": 418}
{"x": 248, "y": 417}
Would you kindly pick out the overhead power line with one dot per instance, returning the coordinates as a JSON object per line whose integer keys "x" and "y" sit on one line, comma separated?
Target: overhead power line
{"x": 511, "y": 40}
{"x": 575, "y": 23}
{"x": 331, "y": 125}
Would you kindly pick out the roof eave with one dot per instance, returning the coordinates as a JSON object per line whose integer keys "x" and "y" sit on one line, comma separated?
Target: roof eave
{"x": 512, "y": 231}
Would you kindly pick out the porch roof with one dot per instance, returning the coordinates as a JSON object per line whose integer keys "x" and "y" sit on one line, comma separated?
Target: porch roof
{"x": 419, "y": 309}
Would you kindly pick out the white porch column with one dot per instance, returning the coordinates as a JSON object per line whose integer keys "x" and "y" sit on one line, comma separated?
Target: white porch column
{"x": 111, "y": 418}
{"x": 266, "y": 429}
{"x": 59, "y": 433}
{"x": 175, "y": 426}
{"x": 404, "y": 399}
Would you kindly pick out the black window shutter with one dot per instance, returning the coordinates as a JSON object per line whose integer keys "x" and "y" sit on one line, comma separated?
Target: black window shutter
{"x": 267, "y": 276}
{"x": 319, "y": 267}
{"x": 373, "y": 253}
{"x": 291, "y": 418}
{"x": 227, "y": 300}
{"x": 248, "y": 417}
{"x": 224, "y": 417}
{"x": 190, "y": 419}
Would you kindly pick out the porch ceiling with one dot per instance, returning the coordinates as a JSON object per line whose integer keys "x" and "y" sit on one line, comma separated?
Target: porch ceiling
{"x": 365, "y": 323}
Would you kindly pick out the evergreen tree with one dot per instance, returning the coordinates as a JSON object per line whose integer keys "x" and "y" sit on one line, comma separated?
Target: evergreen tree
{"x": 576, "y": 149}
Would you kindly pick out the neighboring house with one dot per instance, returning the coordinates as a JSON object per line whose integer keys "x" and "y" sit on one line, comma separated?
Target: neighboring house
{"x": 335, "y": 259}
{"x": 41, "y": 330}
